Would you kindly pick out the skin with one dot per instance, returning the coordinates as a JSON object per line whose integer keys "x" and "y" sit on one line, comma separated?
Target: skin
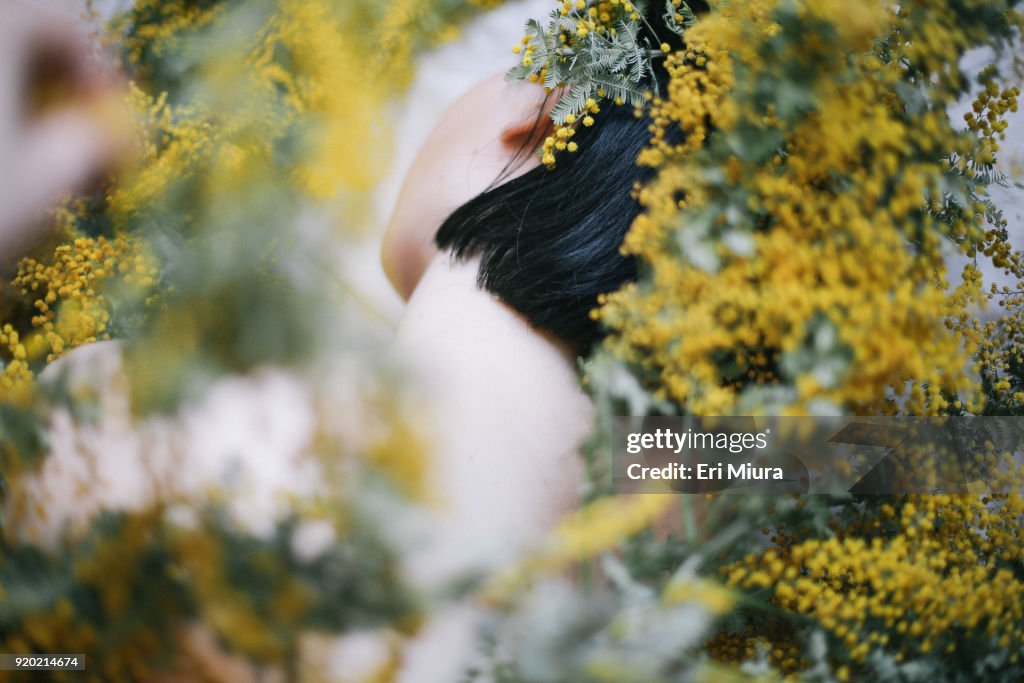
{"x": 503, "y": 398}
{"x": 490, "y": 127}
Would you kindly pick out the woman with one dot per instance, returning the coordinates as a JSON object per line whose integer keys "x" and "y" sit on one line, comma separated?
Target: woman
{"x": 502, "y": 260}
{"x": 506, "y": 464}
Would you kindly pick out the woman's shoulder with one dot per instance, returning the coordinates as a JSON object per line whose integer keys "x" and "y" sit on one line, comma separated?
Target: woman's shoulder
{"x": 450, "y": 319}
{"x": 506, "y": 410}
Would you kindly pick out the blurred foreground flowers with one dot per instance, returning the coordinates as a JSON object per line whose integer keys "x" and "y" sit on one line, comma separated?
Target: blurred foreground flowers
{"x": 246, "y": 488}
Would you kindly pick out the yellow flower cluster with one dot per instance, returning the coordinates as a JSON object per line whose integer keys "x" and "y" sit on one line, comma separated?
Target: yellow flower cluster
{"x": 70, "y": 309}
{"x": 1001, "y": 346}
{"x": 697, "y": 96}
{"x": 65, "y": 287}
{"x": 71, "y": 280}
{"x": 16, "y": 375}
{"x": 751, "y": 258}
{"x": 165, "y": 22}
{"x": 986, "y": 117}
{"x": 1000, "y": 340}
{"x": 592, "y": 17}
{"x": 909, "y": 580}
{"x": 330, "y": 85}
{"x": 560, "y": 140}
{"x": 171, "y": 140}
{"x": 339, "y": 101}
{"x": 600, "y": 15}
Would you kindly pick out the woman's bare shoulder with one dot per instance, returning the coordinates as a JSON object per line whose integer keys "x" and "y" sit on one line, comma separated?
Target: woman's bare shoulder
{"x": 451, "y": 325}
{"x": 506, "y": 408}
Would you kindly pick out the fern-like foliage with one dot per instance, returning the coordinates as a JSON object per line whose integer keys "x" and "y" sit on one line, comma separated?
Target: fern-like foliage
{"x": 595, "y": 55}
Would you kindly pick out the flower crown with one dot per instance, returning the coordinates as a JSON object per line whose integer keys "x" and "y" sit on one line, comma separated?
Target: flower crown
{"x": 595, "y": 50}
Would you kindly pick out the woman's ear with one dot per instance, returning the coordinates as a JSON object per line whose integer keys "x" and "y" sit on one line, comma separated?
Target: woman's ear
{"x": 529, "y": 133}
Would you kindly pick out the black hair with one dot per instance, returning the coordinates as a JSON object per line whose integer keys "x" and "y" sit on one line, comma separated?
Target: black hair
{"x": 549, "y": 240}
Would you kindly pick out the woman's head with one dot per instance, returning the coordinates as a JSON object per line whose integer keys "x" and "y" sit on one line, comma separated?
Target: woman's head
{"x": 549, "y": 239}
{"x": 481, "y": 136}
